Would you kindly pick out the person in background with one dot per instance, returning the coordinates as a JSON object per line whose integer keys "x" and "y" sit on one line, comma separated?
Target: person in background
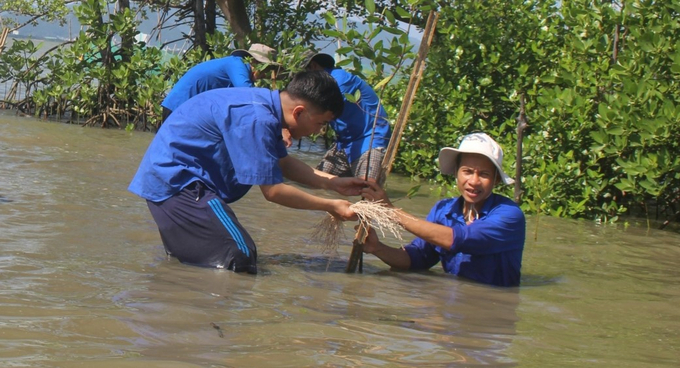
{"x": 479, "y": 235}
{"x": 355, "y": 136}
{"x": 229, "y": 71}
{"x": 214, "y": 147}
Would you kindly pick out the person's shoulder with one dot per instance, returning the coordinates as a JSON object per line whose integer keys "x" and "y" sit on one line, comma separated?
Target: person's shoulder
{"x": 264, "y": 94}
{"x": 235, "y": 96}
{"x": 507, "y": 206}
{"x": 341, "y": 74}
{"x": 232, "y": 60}
{"x": 220, "y": 61}
{"x": 445, "y": 205}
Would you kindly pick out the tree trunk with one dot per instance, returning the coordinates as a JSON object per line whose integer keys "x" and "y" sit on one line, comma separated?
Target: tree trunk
{"x": 210, "y": 16}
{"x": 199, "y": 26}
{"x": 237, "y": 17}
{"x": 127, "y": 40}
{"x": 258, "y": 22}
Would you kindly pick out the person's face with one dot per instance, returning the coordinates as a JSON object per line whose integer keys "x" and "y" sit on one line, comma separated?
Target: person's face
{"x": 475, "y": 178}
{"x": 307, "y": 122}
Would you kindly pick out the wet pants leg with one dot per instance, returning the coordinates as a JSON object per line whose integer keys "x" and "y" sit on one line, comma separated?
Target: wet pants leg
{"x": 199, "y": 228}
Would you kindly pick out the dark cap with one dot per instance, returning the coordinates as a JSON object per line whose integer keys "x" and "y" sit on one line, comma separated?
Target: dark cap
{"x": 324, "y": 60}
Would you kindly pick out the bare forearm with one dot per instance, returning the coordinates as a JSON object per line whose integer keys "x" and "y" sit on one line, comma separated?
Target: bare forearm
{"x": 436, "y": 234}
{"x": 394, "y": 257}
{"x": 296, "y": 170}
{"x": 292, "y": 197}
{"x": 432, "y": 233}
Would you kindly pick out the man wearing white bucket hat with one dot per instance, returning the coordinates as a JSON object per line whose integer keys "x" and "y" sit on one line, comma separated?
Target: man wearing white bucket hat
{"x": 478, "y": 235}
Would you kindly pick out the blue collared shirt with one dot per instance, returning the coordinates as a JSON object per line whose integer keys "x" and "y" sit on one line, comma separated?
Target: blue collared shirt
{"x": 229, "y": 71}
{"x": 489, "y": 250}
{"x": 353, "y": 128}
{"x": 228, "y": 138}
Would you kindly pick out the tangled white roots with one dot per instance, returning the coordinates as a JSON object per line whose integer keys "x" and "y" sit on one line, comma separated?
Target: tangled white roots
{"x": 329, "y": 231}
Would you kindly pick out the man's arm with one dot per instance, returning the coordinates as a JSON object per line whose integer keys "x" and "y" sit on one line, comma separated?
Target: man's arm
{"x": 393, "y": 257}
{"x": 431, "y": 232}
{"x": 292, "y": 197}
{"x": 239, "y": 73}
{"x": 298, "y": 171}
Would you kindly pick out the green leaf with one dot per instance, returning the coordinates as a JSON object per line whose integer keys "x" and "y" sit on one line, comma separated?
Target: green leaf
{"x": 598, "y": 136}
{"x": 390, "y": 16}
{"x": 370, "y": 6}
{"x": 332, "y": 33}
{"x": 413, "y": 191}
{"x": 651, "y": 187}
{"x": 403, "y": 13}
{"x": 382, "y": 83}
{"x": 617, "y": 130}
{"x": 330, "y": 18}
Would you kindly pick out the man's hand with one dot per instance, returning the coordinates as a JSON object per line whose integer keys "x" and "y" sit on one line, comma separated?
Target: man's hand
{"x": 373, "y": 192}
{"x": 342, "y": 211}
{"x": 371, "y": 244}
{"x": 348, "y": 186}
{"x": 287, "y": 138}
{"x": 397, "y": 258}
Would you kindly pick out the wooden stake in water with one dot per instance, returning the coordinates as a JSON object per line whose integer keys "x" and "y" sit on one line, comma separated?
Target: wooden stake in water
{"x": 391, "y": 152}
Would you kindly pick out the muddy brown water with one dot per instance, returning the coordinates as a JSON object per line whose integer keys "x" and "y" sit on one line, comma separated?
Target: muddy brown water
{"x": 84, "y": 281}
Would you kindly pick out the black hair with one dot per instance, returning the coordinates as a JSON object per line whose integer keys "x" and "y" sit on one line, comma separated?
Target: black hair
{"x": 317, "y": 88}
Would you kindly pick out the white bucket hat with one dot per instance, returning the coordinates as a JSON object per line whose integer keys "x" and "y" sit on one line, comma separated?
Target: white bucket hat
{"x": 479, "y": 143}
{"x": 259, "y": 52}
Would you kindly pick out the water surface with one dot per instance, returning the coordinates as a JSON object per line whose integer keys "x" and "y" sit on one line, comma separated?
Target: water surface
{"x": 84, "y": 281}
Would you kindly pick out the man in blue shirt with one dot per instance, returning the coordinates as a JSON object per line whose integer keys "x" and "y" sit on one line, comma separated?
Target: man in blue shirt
{"x": 218, "y": 144}
{"x": 229, "y": 71}
{"x": 479, "y": 235}
{"x": 355, "y": 136}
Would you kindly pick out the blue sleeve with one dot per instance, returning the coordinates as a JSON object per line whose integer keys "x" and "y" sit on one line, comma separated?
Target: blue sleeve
{"x": 255, "y": 156}
{"x": 253, "y": 140}
{"x": 423, "y": 254}
{"x": 238, "y": 72}
{"x": 502, "y": 229}
{"x": 346, "y": 81}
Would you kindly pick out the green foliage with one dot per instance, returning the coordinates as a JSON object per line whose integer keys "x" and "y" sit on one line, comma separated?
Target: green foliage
{"x": 608, "y": 120}
{"x": 47, "y": 10}
{"x": 600, "y": 81}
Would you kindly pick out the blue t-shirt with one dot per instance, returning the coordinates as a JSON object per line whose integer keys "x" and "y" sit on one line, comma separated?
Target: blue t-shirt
{"x": 489, "y": 250}
{"x": 228, "y": 138}
{"x": 230, "y": 71}
{"x": 353, "y": 128}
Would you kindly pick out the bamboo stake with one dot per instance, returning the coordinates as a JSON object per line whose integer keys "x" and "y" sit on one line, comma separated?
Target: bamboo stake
{"x": 418, "y": 67}
{"x": 3, "y": 38}
{"x": 521, "y": 125}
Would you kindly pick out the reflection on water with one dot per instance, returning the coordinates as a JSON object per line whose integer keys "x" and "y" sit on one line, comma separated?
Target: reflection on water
{"x": 84, "y": 279}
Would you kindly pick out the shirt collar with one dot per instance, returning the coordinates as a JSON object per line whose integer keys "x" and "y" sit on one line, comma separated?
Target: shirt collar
{"x": 278, "y": 110}
{"x": 457, "y": 205}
